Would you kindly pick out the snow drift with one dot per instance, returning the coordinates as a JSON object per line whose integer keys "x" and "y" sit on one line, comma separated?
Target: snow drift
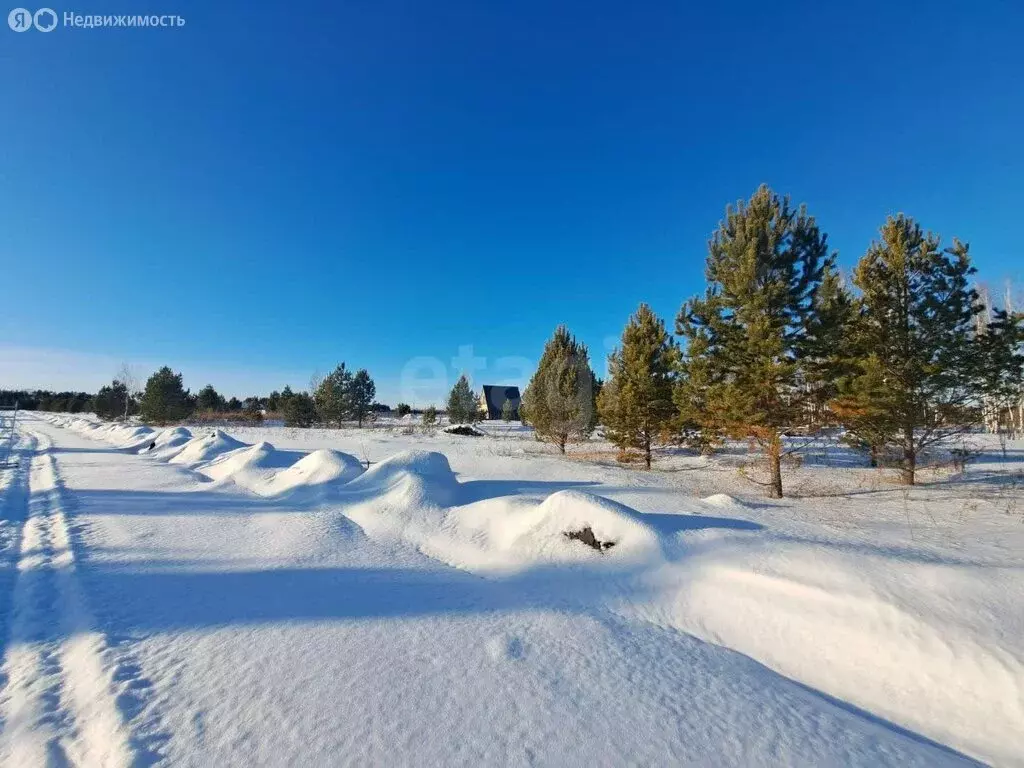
{"x": 261, "y": 469}
{"x": 933, "y": 646}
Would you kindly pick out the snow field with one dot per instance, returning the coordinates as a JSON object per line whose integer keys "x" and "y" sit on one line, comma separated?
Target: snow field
{"x": 932, "y": 644}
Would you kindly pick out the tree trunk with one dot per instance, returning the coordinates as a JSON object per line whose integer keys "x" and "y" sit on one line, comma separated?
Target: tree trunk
{"x": 874, "y": 456}
{"x": 647, "y": 451}
{"x": 561, "y": 443}
{"x": 775, "y": 464}
{"x": 909, "y": 457}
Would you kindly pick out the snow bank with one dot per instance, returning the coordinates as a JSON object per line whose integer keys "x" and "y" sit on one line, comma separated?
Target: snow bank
{"x": 408, "y": 496}
{"x": 933, "y": 646}
{"x": 126, "y": 436}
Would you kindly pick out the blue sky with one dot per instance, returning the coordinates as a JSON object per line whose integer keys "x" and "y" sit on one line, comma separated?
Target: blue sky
{"x": 273, "y": 187}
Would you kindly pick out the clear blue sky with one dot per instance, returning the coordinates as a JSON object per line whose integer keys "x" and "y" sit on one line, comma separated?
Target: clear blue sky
{"x": 273, "y": 188}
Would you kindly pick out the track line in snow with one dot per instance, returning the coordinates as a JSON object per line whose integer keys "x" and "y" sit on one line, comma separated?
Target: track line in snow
{"x": 58, "y": 706}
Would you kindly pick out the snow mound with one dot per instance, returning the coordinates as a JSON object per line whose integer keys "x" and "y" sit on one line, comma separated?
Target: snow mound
{"x": 505, "y": 534}
{"x": 134, "y": 438}
{"x": 721, "y": 500}
{"x": 418, "y": 477}
{"x": 264, "y": 470}
{"x": 244, "y": 465}
{"x": 206, "y": 448}
{"x": 569, "y": 511}
{"x": 317, "y": 469}
{"x": 166, "y": 443}
{"x": 508, "y": 533}
{"x": 404, "y": 496}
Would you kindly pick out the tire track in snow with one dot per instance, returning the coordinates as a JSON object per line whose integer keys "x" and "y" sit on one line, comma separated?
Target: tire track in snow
{"x": 58, "y": 706}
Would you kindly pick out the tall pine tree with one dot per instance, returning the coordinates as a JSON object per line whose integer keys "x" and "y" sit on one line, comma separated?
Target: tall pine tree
{"x": 361, "y": 394}
{"x": 209, "y": 399}
{"x": 112, "y": 401}
{"x": 299, "y": 410}
{"x": 463, "y": 406}
{"x": 1002, "y": 369}
{"x": 752, "y": 336}
{"x": 918, "y": 358}
{"x": 635, "y": 403}
{"x": 333, "y": 396}
{"x": 165, "y": 399}
{"x": 560, "y": 398}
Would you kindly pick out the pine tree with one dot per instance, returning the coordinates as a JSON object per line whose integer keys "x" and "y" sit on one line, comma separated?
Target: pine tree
{"x": 636, "y": 402}
{"x": 560, "y": 398}
{"x": 862, "y": 406}
{"x": 1002, "y": 369}
{"x": 828, "y": 354}
{"x": 113, "y": 401}
{"x": 463, "y": 406}
{"x": 508, "y": 411}
{"x": 299, "y": 410}
{"x": 403, "y": 409}
{"x": 429, "y": 417}
{"x": 333, "y": 396}
{"x": 689, "y": 395}
{"x": 252, "y": 407}
{"x": 165, "y": 398}
{"x": 362, "y": 390}
{"x": 918, "y": 362}
{"x": 274, "y": 401}
{"x": 209, "y": 400}
{"x": 286, "y": 395}
{"x": 752, "y": 336}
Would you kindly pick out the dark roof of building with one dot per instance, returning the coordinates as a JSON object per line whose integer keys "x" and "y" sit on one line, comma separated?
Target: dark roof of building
{"x": 498, "y": 394}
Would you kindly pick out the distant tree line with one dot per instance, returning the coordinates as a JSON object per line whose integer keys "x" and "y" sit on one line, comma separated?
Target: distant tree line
{"x": 45, "y": 400}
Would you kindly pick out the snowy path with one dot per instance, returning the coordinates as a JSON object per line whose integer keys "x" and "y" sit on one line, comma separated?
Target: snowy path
{"x": 203, "y": 625}
{"x": 57, "y": 706}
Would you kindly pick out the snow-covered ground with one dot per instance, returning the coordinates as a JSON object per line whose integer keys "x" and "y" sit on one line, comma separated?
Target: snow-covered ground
{"x": 261, "y": 597}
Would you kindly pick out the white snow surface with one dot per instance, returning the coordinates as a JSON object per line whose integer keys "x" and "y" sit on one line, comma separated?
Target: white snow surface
{"x": 215, "y": 599}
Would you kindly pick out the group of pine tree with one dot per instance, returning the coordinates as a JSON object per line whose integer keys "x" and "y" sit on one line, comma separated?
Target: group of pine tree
{"x": 778, "y": 345}
{"x": 338, "y": 397}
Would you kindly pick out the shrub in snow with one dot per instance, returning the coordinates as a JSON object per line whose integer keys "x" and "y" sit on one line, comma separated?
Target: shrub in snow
{"x": 466, "y": 430}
